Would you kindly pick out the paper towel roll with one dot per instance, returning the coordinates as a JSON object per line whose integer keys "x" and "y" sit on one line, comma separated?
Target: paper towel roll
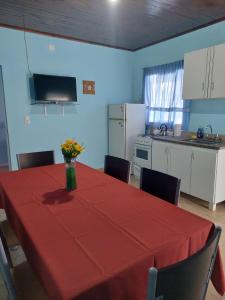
{"x": 177, "y": 130}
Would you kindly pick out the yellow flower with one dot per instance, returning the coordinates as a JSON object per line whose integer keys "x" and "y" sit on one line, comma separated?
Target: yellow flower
{"x": 71, "y": 148}
{"x": 70, "y": 141}
{"x": 78, "y": 147}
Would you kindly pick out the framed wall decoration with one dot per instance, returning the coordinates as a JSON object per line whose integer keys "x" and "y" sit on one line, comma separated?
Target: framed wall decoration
{"x": 88, "y": 87}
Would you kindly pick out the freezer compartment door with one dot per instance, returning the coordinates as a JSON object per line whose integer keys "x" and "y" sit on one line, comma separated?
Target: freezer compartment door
{"x": 117, "y": 111}
{"x": 117, "y": 141}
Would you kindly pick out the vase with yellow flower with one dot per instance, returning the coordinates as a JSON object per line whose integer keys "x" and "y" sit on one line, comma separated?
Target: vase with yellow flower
{"x": 70, "y": 150}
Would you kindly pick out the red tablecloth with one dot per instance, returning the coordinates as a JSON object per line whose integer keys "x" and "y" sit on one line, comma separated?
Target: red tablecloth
{"x": 99, "y": 241}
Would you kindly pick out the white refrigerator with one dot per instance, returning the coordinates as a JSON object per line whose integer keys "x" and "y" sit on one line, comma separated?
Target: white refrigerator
{"x": 126, "y": 122}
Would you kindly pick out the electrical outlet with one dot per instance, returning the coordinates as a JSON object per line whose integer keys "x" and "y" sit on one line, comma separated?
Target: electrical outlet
{"x": 27, "y": 120}
{"x": 51, "y": 47}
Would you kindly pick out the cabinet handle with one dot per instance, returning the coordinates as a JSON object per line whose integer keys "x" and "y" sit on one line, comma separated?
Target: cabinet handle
{"x": 167, "y": 160}
{"x": 192, "y": 156}
{"x": 212, "y": 85}
{"x": 203, "y": 86}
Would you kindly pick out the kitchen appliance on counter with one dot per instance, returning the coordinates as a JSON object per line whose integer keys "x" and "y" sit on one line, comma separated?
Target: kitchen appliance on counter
{"x": 126, "y": 122}
{"x": 163, "y": 129}
{"x": 200, "y": 133}
{"x": 177, "y": 130}
{"x": 142, "y": 154}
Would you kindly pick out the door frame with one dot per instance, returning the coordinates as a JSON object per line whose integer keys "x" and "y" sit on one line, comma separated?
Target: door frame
{"x": 6, "y": 120}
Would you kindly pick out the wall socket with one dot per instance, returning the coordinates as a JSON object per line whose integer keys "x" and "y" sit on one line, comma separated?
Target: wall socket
{"x": 51, "y": 47}
{"x": 27, "y": 120}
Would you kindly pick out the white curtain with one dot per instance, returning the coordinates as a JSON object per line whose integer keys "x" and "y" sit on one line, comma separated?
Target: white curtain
{"x": 163, "y": 95}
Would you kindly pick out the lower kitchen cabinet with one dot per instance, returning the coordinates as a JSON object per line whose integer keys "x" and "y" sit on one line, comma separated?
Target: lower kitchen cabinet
{"x": 180, "y": 165}
{"x": 160, "y": 156}
{"x": 201, "y": 170}
{"x": 203, "y": 174}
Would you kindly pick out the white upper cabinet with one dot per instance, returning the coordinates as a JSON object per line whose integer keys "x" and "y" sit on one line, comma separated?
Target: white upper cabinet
{"x": 195, "y": 83}
{"x": 204, "y": 73}
{"x": 217, "y": 79}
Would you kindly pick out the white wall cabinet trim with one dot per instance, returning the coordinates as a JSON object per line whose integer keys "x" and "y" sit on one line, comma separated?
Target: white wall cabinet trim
{"x": 217, "y": 88}
{"x": 204, "y": 73}
{"x": 195, "y": 82}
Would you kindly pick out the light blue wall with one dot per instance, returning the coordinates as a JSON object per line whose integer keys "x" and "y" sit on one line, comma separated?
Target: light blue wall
{"x": 110, "y": 68}
{"x": 202, "y": 111}
{"x": 118, "y": 76}
{"x": 3, "y": 134}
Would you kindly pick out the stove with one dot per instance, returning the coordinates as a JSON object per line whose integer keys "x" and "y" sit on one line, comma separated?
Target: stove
{"x": 144, "y": 140}
{"x": 142, "y": 154}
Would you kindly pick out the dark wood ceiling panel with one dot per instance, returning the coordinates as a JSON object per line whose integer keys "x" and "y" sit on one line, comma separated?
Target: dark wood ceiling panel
{"x": 126, "y": 24}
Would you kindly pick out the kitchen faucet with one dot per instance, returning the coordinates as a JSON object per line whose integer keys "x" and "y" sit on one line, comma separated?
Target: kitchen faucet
{"x": 210, "y": 127}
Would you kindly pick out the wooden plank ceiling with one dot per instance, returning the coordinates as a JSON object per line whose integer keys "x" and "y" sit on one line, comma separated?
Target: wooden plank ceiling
{"x": 126, "y": 24}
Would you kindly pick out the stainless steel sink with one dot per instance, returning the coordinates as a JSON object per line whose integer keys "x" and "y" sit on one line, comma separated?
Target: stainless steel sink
{"x": 203, "y": 141}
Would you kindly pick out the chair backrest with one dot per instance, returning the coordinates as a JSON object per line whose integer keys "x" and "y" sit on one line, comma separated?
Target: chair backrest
{"x": 117, "y": 167}
{"x": 188, "y": 279}
{"x": 160, "y": 185}
{"x": 35, "y": 159}
{"x": 5, "y": 272}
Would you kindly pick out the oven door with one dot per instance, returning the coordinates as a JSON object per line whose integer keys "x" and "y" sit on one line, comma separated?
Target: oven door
{"x": 143, "y": 155}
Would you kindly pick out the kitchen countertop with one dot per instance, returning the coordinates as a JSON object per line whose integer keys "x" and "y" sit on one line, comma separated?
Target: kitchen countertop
{"x": 186, "y": 141}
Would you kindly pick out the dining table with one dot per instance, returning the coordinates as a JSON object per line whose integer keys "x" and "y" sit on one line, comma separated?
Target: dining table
{"x": 98, "y": 241}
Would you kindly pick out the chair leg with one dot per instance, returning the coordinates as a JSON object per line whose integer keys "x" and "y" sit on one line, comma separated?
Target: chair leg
{"x": 152, "y": 280}
{"x": 6, "y": 274}
{"x": 6, "y": 249}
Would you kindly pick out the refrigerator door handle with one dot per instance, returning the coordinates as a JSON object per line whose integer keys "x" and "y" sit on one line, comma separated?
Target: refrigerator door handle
{"x": 116, "y": 119}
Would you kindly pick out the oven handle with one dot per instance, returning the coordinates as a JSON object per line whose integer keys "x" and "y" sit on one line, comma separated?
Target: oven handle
{"x": 141, "y": 147}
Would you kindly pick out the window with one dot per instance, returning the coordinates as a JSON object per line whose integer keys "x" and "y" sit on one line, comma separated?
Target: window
{"x": 163, "y": 95}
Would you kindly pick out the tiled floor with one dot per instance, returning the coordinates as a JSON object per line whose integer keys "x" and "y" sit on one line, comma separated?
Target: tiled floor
{"x": 186, "y": 202}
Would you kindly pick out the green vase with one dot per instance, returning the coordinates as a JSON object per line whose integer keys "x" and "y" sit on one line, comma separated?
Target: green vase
{"x": 71, "y": 182}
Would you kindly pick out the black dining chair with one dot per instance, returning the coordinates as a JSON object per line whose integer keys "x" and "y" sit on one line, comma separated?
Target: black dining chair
{"x": 117, "y": 167}
{"x": 5, "y": 245}
{"x": 5, "y": 270}
{"x": 188, "y": 279}
{"x": 35, "y": 159}
{"x": 19, "y": 282}
{"x": 160, "y": 185}
{"x": 9, "y": 239}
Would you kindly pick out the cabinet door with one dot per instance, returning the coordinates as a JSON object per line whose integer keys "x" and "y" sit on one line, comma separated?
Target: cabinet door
{"x": 203, "y": 172}
{"x": 195, "y": 83}
{"x": 116, "y": 111}
{"x": 217, "y": 84}
{"x": 160, "y": 157}
{"x": 180, "y": 165}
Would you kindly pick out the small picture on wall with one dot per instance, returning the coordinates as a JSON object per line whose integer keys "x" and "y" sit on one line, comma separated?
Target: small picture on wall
{"x": 88, "y": 87}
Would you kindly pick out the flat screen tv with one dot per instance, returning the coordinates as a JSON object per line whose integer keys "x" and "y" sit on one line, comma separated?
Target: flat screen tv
{"x": 54, "y": 89}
